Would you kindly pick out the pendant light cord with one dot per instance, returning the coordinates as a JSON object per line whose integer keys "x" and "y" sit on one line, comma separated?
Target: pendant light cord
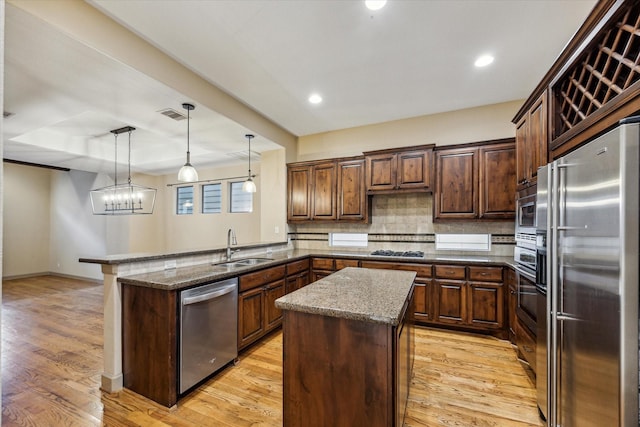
{"x": 116, "y": 161}
{"x": 188, "y": 121}
{"x": 129, "y": 161}
{"x": 249, "y": 157}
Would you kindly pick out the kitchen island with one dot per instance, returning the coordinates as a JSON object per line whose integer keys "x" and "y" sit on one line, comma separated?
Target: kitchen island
{"x": 348, "y": 349}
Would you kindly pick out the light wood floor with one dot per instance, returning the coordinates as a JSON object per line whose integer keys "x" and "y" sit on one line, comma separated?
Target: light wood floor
{"x": 52, "y": 362}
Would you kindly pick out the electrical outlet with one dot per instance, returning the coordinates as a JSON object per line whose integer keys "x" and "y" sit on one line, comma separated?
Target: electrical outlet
{"x": 168, "y": 265}
{"x": 277, "y": 230}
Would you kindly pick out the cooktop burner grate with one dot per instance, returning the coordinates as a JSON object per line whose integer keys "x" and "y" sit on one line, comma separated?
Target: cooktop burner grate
{"x": 412, "y": 254}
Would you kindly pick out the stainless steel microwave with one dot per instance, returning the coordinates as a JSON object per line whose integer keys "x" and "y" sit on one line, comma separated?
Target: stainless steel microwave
{"x": 526, "y": 212}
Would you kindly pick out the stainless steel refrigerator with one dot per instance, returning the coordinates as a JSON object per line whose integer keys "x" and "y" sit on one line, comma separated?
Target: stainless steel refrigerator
{"x": 588, "y": 239}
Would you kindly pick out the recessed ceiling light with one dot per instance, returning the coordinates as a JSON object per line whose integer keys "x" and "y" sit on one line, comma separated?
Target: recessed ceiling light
{"x": 375, "y": 4}
{"x": 483, "y": 61}
{"x": 315, "y": 98}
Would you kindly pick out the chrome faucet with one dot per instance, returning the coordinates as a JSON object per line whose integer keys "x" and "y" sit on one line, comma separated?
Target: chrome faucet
{"x": 231, "y": 240}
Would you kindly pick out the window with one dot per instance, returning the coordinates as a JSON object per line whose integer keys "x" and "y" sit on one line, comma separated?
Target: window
{"x": 184, "y": 200}
{"x": 239, "y": 200}
{"x": 212, "y": 198}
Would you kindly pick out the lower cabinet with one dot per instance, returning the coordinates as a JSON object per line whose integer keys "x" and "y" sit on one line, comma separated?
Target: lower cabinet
{"x": 423, "y": 285}
{"x": 297, "y": 275}
{"x": 470, "y": 296}
{"x": 150, "y": 342}
{"x": 258, "y": 291}
{"x": 257, "y": 314}
{"x": 323, "y": 267}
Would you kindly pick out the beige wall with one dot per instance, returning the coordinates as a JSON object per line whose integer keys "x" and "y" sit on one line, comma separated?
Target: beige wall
{"x": 204, "y": 231}
{"x": 26, "y": 220}
{"x": 273, "y": 203}
{"x": 455, "y": 127}
{"x": 49, "y": 224}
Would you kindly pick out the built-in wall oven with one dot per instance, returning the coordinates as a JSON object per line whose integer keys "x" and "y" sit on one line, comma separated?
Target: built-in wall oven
{"x": 525, "y": 257}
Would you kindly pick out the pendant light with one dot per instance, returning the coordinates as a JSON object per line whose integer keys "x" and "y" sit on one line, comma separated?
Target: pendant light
{"x": 249, "y": 186}
{"x": 187, "y": 172}
{"x": 123, "y": 199}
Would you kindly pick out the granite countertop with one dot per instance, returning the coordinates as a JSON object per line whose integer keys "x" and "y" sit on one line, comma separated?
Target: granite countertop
{"x": 184, "y": 277}
{"x": 354, "y": 293}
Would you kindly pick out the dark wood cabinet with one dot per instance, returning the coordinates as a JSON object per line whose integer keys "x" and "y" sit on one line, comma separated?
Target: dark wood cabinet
{"x": 486, "y": 304}
{"x": 150, "y": 342}
{"x": 531, "y": 143}
{"x": 299, "y": 192}
{"x": 399, "y": 170}
{"x": 450, "y": 302}
{"x": 327, "y": 190}
{"x": 497, "y": 182}
{"x": 251, "y": 321}
{"x": 297, "y": 275}
{"x": 352, "y": 197}
{"x": 257, "y": 314}
{"x": 311, "y": 191}
{"x": 470, "y": 296}
{"x": 323, "y": 191}
{"x": 323, "y": 267}
{"x": 423, "y": 285}
{"x": 475, "y": 181}
{"x": 456, "y": 184}
{"x": 273, "y": 315}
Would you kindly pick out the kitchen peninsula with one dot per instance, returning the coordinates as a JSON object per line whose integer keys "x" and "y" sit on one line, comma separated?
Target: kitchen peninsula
{"x": 348, "y": 349}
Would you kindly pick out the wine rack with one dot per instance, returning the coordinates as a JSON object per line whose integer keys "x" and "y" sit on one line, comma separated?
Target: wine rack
{"x": 606, "y": 68}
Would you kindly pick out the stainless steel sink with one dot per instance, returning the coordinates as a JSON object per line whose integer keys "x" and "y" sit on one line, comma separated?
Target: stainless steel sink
{"x": 246, "y": 262}
{"x": 252, "y": 261}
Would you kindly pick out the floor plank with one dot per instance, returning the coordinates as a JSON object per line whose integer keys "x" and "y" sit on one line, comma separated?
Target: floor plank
{"x": 52, "y": 363}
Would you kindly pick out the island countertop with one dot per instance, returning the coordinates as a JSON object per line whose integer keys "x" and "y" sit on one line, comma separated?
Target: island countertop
{"x": 364, "y": 294}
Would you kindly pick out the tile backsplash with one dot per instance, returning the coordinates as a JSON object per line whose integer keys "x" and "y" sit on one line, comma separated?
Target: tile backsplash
{"x": 405, "y": 222}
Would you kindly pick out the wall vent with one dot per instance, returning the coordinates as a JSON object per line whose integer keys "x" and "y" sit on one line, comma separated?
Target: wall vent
{"x": 172, "y": 114}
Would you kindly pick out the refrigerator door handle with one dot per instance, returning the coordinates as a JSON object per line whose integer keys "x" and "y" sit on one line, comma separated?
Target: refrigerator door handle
{"x": 566, "y": 317}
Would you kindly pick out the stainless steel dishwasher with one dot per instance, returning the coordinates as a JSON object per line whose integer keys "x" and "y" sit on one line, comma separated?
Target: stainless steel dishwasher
{"x": 208, "y": 330}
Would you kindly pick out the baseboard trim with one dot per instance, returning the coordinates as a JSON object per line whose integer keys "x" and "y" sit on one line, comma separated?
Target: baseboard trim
{"x": 51, "y": 273}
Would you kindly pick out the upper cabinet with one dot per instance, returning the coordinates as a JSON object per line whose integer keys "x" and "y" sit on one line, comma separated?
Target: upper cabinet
{"x": 399, "y": 170}
{"x": 476, "y": 181}
{"x": 327, "y": 190}
{"x": 531, "y": 143}
{"x": 299, "y": 192}
{"x": 352, "y": 198}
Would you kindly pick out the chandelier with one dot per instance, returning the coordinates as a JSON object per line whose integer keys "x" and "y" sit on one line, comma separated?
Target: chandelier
{"x": 123, "y": 199}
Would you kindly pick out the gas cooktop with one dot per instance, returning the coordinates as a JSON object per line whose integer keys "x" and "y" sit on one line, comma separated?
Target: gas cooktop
{"x": 412, "y": 254}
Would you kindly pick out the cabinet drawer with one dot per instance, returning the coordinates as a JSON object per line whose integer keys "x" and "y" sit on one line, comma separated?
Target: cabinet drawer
{"x": 423, "y": 270}
{"x": 297, "y": 266}
{"x": 450, "y": 272}
{"x": 261, "y": 277}
{"x": 343, "y": 263}
{"x": 322, "y": 263}
{"x": 485, "y": 274}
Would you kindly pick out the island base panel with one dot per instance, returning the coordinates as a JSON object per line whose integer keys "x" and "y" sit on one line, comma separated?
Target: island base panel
{"x": 337, "y": 371}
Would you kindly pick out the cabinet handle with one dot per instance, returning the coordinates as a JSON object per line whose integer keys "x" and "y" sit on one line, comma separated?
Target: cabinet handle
{"x": 512, "y": 292}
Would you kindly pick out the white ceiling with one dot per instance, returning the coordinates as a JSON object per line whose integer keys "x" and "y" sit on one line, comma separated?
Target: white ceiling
{"x": 409, "y": 59}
